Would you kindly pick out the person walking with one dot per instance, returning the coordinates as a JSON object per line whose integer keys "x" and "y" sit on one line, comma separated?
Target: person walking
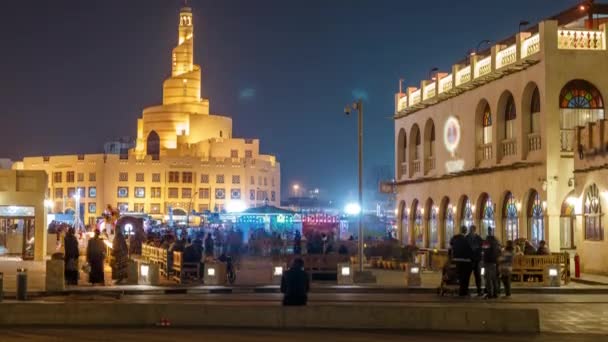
{"x": 295, "y": 284}
{"x": 70, "y": 242}
{"x": 475, "y": 242}
{"x": 120, "y": 257}
{"x": 461, "y": 253}
{"x": 297, "y": 243}
{"x": 96, "y": 253}
{"x": 209, "y": 245}
{"x": 136, "y": 241}
{"x": 491, "y": 253}
{"x": 506, "y": 267}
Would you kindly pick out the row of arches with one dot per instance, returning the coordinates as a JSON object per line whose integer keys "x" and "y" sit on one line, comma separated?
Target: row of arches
{"x": 579, "y": 102}
{"x": 432, "y": 224}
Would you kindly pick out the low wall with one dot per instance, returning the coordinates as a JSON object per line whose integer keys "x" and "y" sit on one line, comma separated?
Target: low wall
{"x": 417, "y": 317}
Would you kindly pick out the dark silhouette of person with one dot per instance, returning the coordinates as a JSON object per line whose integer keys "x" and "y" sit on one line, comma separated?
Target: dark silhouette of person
{"x": 295, "y": 284}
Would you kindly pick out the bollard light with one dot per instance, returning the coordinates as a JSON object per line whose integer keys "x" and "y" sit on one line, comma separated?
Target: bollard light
{"x": 278, "y": 271}
{"x": 345, "y": 271}
{"x": 553, "y": 272}
{"x": 483, "y": 271}
{"x": 415, "y": 270}
{"x": 211, "y": 272}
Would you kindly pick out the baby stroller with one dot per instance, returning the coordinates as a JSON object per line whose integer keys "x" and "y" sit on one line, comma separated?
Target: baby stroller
{"x": 449, "y": 280}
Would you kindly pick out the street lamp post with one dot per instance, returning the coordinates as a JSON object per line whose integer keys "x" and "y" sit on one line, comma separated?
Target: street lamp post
{"x": 190, "y": 209}
{"x": 358, "y": 106}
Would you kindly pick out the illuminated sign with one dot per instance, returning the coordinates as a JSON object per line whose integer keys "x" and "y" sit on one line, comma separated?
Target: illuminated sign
{"x": 451, "y": 134}
{"x": 451, "y": 140}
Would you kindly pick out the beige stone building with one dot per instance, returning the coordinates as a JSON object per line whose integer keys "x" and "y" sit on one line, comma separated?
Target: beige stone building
{"x": 185, "y": 158}
{"x": 492, "y": 142}
{"x": 22, "y": 214}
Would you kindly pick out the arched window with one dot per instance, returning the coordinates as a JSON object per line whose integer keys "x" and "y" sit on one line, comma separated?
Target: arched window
{"x": 487, "y": 217}
{"x": 511, "y": 218}
{"x": 467, "y": 213}
{"x": 580, "y": 102}
{"x": 153, "y": 145}
{"x": 537, "y": 219}
{"x": 432, "y": 141}
{"x": 433, "y": 225}
{"x": 535, "y": 112}
{"x": 405, "y": 233}
{"x": 510, "y": 115}
{"x": 418, "y": 233}
{"x": 449, "y": 225}
{"x": 401, "y": 153}
{"x": 487, "y": 125}
{"x": 567, "y": 223}
{"x": 593, "y": 215}
{"x": 418, "y": 146}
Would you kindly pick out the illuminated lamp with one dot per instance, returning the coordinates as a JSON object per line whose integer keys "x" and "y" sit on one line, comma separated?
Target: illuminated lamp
{"x": 278, "y": 271}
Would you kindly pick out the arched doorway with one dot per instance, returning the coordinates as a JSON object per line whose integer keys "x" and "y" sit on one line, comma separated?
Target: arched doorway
{"x": 511, "y": 218}
{"x": 486, "y": 215}
{"x": 432, "y": 224}
{"x": 404, "y": 224}
{"x": 536, "y": 218}
{"x": 448, "y": 222}
{"x": 567, "y": 222}
{"x": 466, "y": 212}
{"x": 592, "y": 211}
{"x": 418, "y": 235}
{"x": 153, "y": 145}
{"x": 579, "y": 102}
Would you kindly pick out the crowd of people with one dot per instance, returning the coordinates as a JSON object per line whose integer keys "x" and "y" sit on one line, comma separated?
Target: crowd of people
{"x": 470, "y": 253}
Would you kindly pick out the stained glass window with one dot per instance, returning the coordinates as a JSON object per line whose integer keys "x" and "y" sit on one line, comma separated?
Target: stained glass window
{"x": 537, "y": 224}
{"x": 433, "y": 228}
{"x": 580, "y": 94}
{"x": 510, "y": 113}
{"x": 487, "y": 220}
{"x": 467, "y": 214}
{"x": 487, "y": 125}
{"x": 487, "y": 117}
{"x": 593, "y": 215}
{"x": 418, "y": 235}
{"x": 448, "y": 225}
{"x": 511, "y": 219}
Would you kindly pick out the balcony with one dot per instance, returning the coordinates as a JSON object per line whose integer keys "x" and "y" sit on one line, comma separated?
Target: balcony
{"x": 485, "y": 151}
{"x": 567, "y": 140}
{"x": 503, "y": 60}
{"x": 403, "y": 169}
{"x": 581, "y": 40}
{"x": 430, "y": 164}
{"x": 416, "y": 166}
{"x": 509, "y": 147}
{"x": 534, "y": 142}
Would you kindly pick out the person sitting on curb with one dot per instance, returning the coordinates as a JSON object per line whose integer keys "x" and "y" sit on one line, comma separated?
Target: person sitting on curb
{"x": 295, "y": 284}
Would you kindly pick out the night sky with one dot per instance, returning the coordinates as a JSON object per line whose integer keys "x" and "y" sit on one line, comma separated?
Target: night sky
{"x": 76, "y": 73}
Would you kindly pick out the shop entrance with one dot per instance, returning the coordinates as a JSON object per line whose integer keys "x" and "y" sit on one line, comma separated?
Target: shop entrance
{"x": 17, "y": 231}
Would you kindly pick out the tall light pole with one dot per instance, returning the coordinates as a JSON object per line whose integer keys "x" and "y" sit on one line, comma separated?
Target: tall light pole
{"x": 190, "y": 209}
{"x": 358, "y": 106}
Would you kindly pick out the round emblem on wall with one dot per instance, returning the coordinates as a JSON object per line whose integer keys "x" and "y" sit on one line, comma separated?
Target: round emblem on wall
{"x": 451, "y": 134}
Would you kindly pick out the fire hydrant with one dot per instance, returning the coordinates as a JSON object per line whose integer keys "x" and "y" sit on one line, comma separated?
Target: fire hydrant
{"x": 577, "y": 266}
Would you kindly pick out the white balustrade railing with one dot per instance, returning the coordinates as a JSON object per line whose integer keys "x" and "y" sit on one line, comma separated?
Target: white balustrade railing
{"x": 509, "y": 147}
{"x": 416, "y": 166}
{"x": 534, "y": 142}
{"x": 581, "y": 40}
{"x": 506, "y": 56}
{"x": 445, "y": 84}
{"x": 485, "y": 151}
{"x": 430, "y": 163}
{"x": 429, "y": 90}
{"x": 415, "y": 97}
{"x": 483, "y": 66}
{"x": 403, "y": 169}
{"x": 401, "y": 103}
{"x": 463, "y": 75}
{"x": 567, "y": 140}
{"x": 530, "y": 46}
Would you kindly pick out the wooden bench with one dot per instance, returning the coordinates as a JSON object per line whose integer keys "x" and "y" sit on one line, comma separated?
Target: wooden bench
{"x": 530, "y": 269}
{"x": 183, "y": 270}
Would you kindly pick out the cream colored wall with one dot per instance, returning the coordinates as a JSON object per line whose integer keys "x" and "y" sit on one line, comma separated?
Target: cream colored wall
{"x": 27, "y": 188}
{"x": 205, "y": 127}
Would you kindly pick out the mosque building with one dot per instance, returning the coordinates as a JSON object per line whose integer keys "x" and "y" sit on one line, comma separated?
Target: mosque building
{"x": 184, "y": 159}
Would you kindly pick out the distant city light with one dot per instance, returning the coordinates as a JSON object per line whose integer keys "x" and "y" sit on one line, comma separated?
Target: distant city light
{"x": 236, "y": 206}
{"x": 352, "y": 209}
